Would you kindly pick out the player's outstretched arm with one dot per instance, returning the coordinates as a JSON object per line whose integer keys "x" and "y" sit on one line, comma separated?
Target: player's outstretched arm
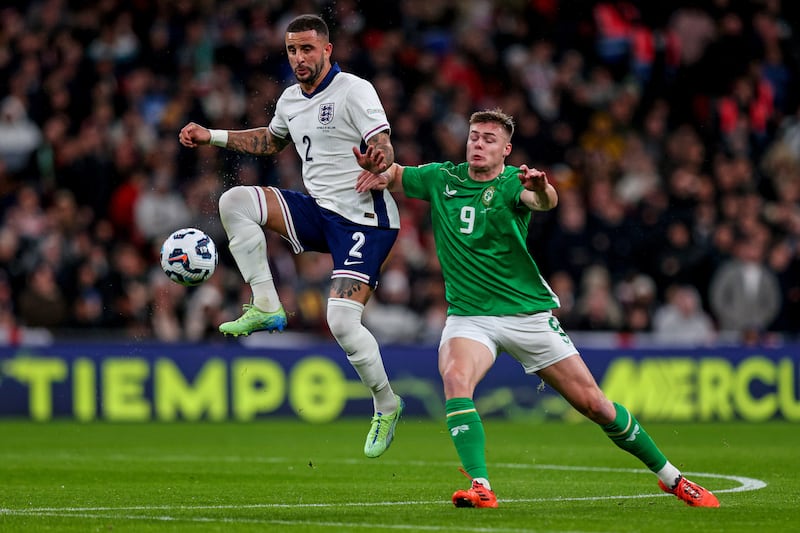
{"x": 539, "y": 194}
{"x": 372, "y": 160}
{"x": 256, "y": 141}
{"x": 391, "y": 178}
{"x": 382, "y": 144}
{"x": 193, "y": 135}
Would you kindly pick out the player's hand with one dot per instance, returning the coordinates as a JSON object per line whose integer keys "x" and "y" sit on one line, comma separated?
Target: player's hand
{"x": 369, "y": 181}
{"x": 193, "y": 135}
{"x": 532, "y": 179}
{"x": 372, "y": 160}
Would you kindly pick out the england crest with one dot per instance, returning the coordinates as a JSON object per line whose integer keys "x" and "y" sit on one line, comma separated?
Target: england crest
{"x": 325, "y": 113}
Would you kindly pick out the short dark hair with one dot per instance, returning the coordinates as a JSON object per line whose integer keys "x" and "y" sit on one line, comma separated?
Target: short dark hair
{"x": 308, "y": 23}
{"x": 495, "y": 115}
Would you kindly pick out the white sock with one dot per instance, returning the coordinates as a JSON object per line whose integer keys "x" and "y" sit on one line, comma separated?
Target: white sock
{"x": 243, "y": 212}
{"x": 669, "y": 475}
{"x": 483, "y": 481}
{"x": 344, "y": 321}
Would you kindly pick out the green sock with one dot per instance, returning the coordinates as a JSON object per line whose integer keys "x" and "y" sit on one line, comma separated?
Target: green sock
{"x": 628, "y": 434}
{"x": 466, "y": 430}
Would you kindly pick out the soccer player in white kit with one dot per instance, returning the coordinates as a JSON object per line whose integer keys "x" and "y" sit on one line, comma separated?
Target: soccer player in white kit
{"x": 329, "y": 115}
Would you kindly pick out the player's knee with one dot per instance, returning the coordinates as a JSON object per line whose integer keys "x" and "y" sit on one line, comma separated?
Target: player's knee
{"x": 456, "y": 381}
{"x": 239, "y": 205}
{"x": 231, "y": 200}
{"x": 344, "y": 321}
{"x": 597, "y": 408}
{"x": 339, "y": 324}
{"x": 452, "y": 385}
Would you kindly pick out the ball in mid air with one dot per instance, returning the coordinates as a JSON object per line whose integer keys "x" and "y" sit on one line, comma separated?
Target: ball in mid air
{"x": 189, "y": 257}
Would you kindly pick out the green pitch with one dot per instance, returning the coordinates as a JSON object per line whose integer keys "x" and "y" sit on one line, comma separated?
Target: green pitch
{"x": 284, "y": 475}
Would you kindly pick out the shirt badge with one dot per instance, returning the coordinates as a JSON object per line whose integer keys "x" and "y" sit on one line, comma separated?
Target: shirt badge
{"x": 325, "y": 115}
{"x": 488, "y": 194}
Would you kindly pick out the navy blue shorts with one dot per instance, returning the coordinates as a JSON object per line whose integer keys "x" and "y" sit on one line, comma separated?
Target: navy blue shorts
{"x": 358, "y": 251}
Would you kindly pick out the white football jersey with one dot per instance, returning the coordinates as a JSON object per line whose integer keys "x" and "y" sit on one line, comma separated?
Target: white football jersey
{"x": 342, "y": 113}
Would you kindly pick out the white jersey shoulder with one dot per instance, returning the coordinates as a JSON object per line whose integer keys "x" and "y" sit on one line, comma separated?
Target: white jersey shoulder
{"x": 324, "y": 126}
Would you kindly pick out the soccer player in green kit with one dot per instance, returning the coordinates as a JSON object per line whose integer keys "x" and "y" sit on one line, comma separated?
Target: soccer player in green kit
{"x": 499, "y": 302}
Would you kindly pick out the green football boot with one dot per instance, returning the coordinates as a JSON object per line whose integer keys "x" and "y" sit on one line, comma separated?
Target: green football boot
{"x": 254, "y": 319}
{"x": 381, "y": 432}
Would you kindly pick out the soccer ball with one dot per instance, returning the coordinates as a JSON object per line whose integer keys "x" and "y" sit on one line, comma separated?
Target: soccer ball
{"x": 189, "y": 257}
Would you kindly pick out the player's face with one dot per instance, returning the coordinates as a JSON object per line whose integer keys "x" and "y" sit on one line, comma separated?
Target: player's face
{"x": 487, "y": 146}
{"x": 309, "y": 56}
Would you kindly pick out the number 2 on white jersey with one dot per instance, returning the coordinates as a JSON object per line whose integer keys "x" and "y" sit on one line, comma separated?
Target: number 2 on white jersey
{"x": 307, "y": 140}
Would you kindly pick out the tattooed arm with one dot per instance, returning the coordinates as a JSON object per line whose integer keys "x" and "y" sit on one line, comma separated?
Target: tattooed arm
{"x": 382, "y": 143}
{"x": 256, "y": 141}
{"x": 379, "y": 155}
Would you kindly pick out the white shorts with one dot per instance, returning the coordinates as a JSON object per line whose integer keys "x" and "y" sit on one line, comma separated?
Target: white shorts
{"x": 536, "y": 341}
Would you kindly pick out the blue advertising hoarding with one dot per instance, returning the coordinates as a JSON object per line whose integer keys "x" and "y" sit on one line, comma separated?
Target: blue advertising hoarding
{"x": 247, "y": 381}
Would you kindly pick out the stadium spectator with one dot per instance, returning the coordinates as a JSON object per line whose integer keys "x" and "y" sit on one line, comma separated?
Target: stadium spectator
{"x": 27, "y": 219}
{"x": 564, "y": 287}
{"x": 742, "y": 285}
{"x": 165, "y": 318}
{"x": 8, "y": 318}
{"x": 680, "y": 259}
{"x": 784, "y": 261}
{"x": 41, "y": 303}
{"x": 389, "y": 314}
{"x": 19, "y": 135}
{"x": 86, "y": 295}
{"x": 203, "y": 309}
{"x": 160, "y": 209}
{"x": 597, "y": 309}
{"x": 681, "y": 321}
{"x": 570, "y": 248}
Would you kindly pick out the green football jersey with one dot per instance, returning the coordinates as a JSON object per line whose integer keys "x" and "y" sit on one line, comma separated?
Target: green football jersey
{"x": 480, "y": 230}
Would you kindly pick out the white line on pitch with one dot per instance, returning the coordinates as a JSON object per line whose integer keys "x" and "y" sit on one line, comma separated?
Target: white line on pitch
{"x": 746, "y": 484}
{"x": 338, "y": 525}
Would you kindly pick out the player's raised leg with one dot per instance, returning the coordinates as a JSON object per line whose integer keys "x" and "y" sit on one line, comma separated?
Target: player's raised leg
{"x": 626, "y": 432}
{"x": 572, "y": 379}
{"x": 243, "y": 212}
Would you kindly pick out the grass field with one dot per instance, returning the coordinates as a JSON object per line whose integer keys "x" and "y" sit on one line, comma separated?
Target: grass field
{"x": 284, "y": 475}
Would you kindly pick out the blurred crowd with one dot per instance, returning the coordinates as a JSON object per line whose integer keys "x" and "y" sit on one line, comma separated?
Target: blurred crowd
{"x": 670, "y": 129}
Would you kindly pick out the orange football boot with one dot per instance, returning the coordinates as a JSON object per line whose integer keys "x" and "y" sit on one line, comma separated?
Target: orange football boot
{"x": 691, "y": 493}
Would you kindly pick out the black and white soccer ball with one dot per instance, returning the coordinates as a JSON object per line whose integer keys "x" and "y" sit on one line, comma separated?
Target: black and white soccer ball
{"x": 189, "y": 257}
